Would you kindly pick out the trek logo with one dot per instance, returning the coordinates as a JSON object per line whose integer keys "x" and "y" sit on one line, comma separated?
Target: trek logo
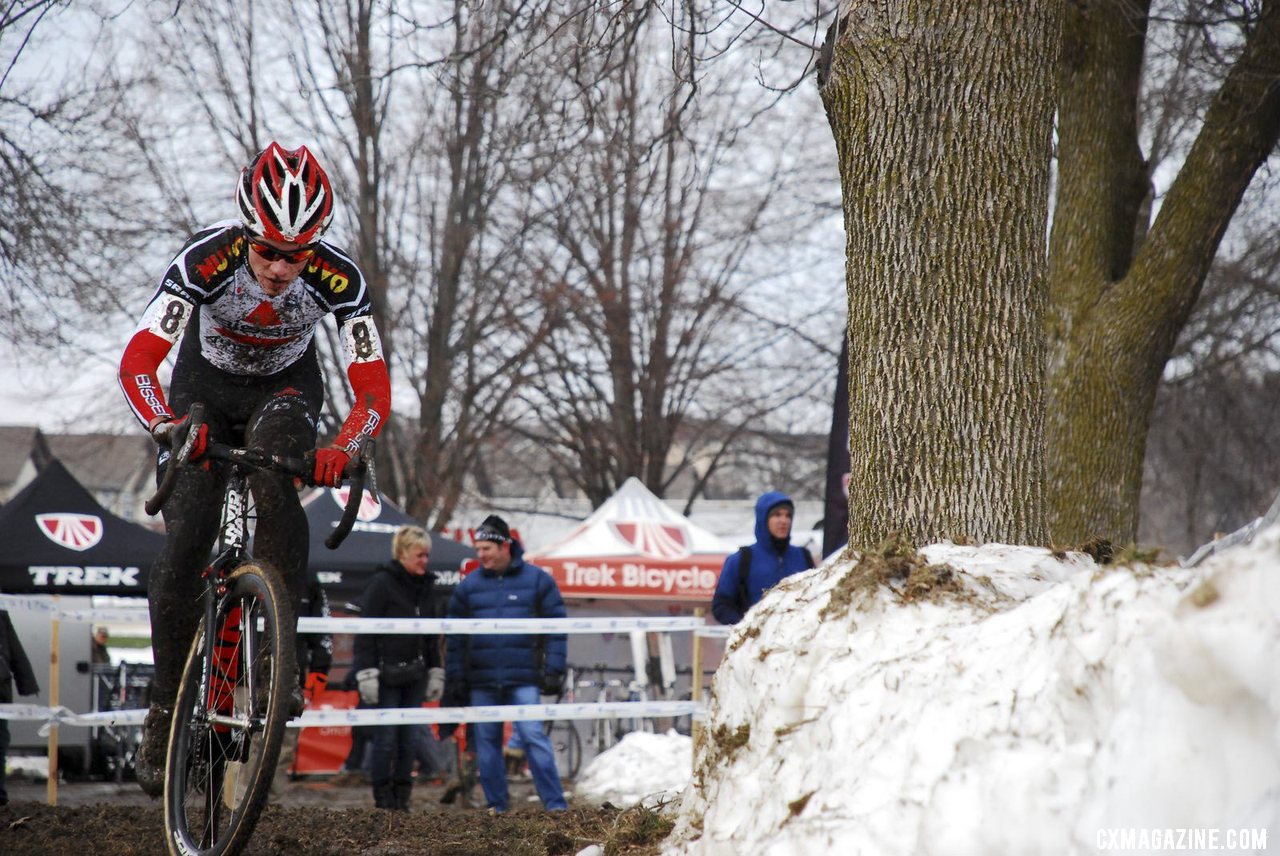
{"x": 650, "y": 538}
{"x": 370, "y": 505}
{"x": 73, "y": 531}
{"x": 92, "y": 575}
{"x": 328, "y": 274}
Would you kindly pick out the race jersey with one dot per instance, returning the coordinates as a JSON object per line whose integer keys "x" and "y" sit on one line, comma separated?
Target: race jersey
{"x": 244, "y": 331}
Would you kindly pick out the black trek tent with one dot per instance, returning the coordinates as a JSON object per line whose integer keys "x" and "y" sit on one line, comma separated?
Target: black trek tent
{"x": 57, "y": 539}
{"x": 346, "y": 571}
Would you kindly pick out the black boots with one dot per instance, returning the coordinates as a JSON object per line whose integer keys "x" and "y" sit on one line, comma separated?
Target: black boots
{"x": 393, "y": 796}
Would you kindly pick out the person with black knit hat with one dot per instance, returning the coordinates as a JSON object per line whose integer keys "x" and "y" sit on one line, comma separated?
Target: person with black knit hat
{"x": 487, "y": 670}
{"x": 751, "y": 571}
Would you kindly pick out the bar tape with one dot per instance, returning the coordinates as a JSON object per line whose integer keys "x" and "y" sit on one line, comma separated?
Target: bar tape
{"x": 60, "y": 715}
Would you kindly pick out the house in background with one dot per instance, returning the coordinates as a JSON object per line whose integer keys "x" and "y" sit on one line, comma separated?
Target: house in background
{"x": 119, "y": 470}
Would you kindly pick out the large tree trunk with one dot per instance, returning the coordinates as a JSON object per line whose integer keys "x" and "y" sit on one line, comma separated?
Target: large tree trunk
{"x": 941, "y": 113}
{"x": 1119, "y": 294}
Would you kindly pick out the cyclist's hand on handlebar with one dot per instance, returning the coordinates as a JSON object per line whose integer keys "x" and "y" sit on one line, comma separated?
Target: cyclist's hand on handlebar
{"x": 329, "y": 464}
{"x": 173, "y": 433}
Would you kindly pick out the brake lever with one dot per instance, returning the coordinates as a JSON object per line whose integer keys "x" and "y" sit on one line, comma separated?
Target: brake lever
{"x": 177, "y": 459}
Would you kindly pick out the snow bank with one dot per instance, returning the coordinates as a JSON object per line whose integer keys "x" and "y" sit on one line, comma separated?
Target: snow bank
{"x": 1052, "y": 702}
{"x": 649, "y": 769}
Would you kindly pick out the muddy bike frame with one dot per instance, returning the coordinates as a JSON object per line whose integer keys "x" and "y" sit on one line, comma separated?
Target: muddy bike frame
{"x": 232, "y": 705}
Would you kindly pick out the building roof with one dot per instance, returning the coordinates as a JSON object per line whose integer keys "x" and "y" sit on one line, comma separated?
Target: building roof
{"x": 16, "y": 445}
{"x": 105, "y": 462}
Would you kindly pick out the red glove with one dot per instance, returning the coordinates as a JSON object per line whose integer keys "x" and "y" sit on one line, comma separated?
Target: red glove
{"x": 173, "y": 433}
{"x": 330, "y": 463}
{"x": 316, "y": 683}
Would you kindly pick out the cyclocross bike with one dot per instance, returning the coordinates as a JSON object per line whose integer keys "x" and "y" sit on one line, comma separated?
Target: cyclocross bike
{"x": 563, "y": 733}
{"x": 233, "y": 702}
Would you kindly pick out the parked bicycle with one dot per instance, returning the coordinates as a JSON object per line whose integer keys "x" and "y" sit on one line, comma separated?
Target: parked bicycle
{"x": 114, "y": 746}
{"x": 639, "y": 692}
{"x": 232, "y": 704}
{"x": 563, "y": 734}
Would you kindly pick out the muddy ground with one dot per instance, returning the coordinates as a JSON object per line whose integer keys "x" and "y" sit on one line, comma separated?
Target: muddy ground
{"x": 321, "y": 818}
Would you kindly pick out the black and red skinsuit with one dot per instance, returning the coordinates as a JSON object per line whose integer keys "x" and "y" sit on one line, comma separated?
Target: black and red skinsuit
{"x": 251, "y": 359}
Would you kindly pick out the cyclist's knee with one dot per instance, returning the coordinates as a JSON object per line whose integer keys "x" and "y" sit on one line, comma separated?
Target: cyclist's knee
{"x": 283, "y": 424}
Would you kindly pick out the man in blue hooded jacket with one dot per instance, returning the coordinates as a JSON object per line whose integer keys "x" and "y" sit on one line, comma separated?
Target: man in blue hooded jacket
{"x": 765, "y": 562}
{"x": 493, "y": 670}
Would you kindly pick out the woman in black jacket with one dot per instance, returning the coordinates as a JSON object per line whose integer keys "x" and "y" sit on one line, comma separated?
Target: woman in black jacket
{"x": 15, "y": 668}
{"x": 398, "y": 670}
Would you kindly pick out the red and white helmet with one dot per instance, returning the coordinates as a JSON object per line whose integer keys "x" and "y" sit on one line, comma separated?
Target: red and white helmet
{"x": 285, "y": 196}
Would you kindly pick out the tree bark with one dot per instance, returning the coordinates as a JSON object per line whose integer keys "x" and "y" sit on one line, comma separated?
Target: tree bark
{"x": 941, "y": 114}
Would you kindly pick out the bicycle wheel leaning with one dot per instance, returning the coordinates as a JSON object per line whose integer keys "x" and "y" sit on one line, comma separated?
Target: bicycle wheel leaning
{"x": 567, "y": 744}
{"x": 230, "y": 715}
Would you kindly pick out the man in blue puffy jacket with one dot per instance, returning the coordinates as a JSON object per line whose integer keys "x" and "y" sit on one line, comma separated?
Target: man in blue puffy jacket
{"x": 507, "y": 669}
{"x": 748, "y": 573}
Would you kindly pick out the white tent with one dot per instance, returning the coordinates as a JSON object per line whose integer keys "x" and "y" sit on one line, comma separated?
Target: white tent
{"x": 635, "y": 546}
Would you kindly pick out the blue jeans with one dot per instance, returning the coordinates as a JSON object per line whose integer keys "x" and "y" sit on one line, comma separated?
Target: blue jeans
{"x": 542, "y": 759}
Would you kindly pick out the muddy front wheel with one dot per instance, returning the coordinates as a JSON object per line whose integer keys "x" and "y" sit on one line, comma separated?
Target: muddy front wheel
{"x": 230, "y": 715}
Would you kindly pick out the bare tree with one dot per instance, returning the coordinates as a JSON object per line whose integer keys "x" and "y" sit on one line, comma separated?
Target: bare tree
{"x": 941, "y": 115}
{"x": 1122, "y": 291}
{"x": 651, "y": 242}
{"x": 413, "y": 115}
{"x": 74, "y": 212}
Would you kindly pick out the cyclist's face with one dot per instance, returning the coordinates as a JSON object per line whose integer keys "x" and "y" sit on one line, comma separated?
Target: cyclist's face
{"x": 415, "y": 560}
{"x": 275, "y": 269}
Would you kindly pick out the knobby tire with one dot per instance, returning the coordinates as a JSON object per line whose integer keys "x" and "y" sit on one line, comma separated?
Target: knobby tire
{"x": 219, "y": 775}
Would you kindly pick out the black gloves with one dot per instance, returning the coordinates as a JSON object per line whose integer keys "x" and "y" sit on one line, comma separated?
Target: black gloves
{"x": 455, "y": 694}
{"x": 553, "y": 683}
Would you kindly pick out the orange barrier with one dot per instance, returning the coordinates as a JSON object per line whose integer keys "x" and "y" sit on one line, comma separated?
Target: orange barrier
{"x": 323, "y": 750}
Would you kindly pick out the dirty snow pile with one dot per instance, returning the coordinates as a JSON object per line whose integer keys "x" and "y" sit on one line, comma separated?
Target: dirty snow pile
{"x": 648, "y": 769}
{"x": 1048, "y": 707}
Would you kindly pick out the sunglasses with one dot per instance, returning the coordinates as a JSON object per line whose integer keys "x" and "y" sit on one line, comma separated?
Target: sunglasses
{"x": 271, "y": 254}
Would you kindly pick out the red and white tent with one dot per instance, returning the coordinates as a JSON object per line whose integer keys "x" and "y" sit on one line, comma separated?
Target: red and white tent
{"x": 635, "y": 546}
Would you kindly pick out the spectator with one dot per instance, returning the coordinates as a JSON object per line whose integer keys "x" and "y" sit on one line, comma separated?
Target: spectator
{"x": 398, "y": 670}
{"x": 100, "y": 654}
{"x": 316, "y": 649}
{"x": 748, "y": 573}
{"x": 14, "y": 669}
{"x": 487, "y": 670}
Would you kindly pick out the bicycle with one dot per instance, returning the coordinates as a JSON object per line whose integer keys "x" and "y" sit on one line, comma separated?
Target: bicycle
{"x": 232, "y": 704}
{"x": 638, "y": 692}
{"x": 563, "y": 734}
{"x": 603, "y": 731}
{"x": 115, "y": 746}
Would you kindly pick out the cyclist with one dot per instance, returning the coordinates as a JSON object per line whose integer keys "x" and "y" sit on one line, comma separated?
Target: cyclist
{"x": 244, "y": 297}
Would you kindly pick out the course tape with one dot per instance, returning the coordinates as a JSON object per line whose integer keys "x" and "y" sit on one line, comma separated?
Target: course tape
{"x": 498, "y": 626}
{"x": 388, "y": 716}
{"x": 404, "y": 626}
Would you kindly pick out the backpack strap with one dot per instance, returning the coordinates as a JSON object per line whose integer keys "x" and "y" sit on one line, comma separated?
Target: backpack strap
{"x": 744, "y": 570}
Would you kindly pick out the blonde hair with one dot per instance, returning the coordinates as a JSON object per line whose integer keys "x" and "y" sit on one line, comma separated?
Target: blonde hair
{"x": 408, "y": 537}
